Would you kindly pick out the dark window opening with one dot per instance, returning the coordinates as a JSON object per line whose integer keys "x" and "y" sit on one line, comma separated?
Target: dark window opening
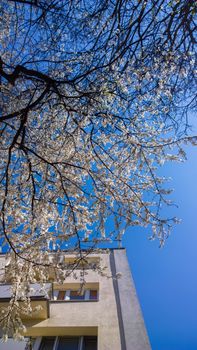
{"x": 68, "y": 343}
{"x": 47, "y": 343}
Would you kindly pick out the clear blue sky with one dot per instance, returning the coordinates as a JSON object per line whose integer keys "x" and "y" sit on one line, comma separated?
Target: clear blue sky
{"x": 166, "y": 278}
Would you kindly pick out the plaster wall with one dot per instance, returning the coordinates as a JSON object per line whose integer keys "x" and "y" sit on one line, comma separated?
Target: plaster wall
{"x": 134, "y": 330}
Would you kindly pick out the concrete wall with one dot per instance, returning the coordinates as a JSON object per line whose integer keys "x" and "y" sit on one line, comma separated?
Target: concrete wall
{"x": 131, "y": 323}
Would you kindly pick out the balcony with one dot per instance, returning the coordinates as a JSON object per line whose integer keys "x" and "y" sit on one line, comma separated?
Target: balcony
{"x": 38, "y": 296}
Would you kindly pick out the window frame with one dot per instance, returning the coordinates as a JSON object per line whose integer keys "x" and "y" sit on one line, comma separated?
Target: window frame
{"x": 67, "y": 293}
{"x": 38, "y": 342}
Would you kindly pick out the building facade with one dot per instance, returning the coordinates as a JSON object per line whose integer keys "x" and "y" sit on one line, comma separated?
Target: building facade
{"x": 104, "y": 315}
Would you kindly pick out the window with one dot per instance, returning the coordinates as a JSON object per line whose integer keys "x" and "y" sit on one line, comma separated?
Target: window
{"x": 61, "y": 295}
{"x": 47, "y": 343}
{"x": 68, "y": 343}
{"x": 90, "y": 343}
{"x": 93, "y": 294}
{"x": 75, "y": 295}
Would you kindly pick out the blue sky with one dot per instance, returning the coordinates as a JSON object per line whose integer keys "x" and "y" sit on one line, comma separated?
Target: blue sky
{"x": 165, "y": 278}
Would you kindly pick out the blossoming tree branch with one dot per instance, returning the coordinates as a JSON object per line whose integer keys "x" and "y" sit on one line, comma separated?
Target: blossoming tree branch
{"x": 95, "y": 97}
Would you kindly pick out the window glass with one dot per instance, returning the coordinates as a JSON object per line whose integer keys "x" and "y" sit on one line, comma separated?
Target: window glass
{"x": 90, "y": 343}
{"x": 93, "y": 294}
{"x": 47, "y": 343}
{"x": 74, "y": 295}
{"x": 68, "y": 344}
{"x": 89, "y": 294}
{"x": 61, "y": 295}
{"x": 55, "y": 294}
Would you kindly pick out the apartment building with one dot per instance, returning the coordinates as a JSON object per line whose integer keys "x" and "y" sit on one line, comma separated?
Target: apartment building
{"x": 103, "y": 315}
